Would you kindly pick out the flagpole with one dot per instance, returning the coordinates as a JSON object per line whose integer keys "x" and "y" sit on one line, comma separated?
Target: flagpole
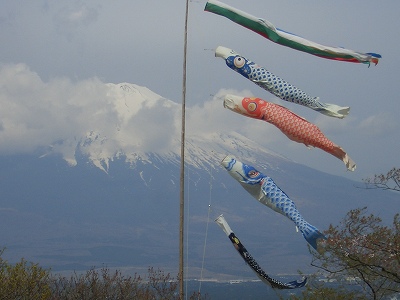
{"x": 182, "y": 171}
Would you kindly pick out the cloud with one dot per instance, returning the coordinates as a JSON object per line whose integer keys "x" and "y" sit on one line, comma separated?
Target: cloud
{"x": 35, "y": 113}
{"x": 211, "y": 116}
{"x": 103, "y": 118}
{"x": 70, "y": 19}
{"x": 383, "y": 123}
{"x": 7, "y": 17}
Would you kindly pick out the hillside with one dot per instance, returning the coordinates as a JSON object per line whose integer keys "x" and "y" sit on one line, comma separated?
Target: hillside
{"x": 73, "y": 218}
{"x": 108, "y": 194}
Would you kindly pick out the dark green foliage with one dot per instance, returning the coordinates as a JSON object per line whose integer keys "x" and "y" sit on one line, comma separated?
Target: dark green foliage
{"x": 28, "y": 281}
{"x": 105, "y": 284}
{"x": 23, "y": 281}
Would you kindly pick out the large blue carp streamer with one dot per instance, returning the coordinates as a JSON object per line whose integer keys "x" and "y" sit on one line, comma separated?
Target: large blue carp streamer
{"x": 284, "y": 38}
{"x": 264, "y": 189}
{"x": 252, "y": 263}
{"x": 275, "y": 85}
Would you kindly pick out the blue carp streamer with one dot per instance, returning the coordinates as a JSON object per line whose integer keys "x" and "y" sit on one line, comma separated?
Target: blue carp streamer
{"x": 277, "y": 86}
{"x": 264, "y": 189}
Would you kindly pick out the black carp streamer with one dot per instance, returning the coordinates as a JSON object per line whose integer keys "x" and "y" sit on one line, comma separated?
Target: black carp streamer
{"x": 253, "y": 264}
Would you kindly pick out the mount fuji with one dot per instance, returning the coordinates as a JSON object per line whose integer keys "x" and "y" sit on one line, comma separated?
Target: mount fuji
{"x": 108, "y": 194}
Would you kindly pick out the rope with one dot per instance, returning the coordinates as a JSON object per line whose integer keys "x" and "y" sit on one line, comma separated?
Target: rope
{"x": 206, "y": 234}
{"x": 187, "y": 231}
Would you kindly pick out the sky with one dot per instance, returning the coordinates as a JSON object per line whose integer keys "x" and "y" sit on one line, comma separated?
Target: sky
{"x": 57, "y": 57}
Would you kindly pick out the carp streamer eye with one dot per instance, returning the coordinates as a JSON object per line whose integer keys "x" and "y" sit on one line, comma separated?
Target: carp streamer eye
{"x": 252, "y": 106}
{"x": 239, "y": 62}
{"x": 253, "y": 173}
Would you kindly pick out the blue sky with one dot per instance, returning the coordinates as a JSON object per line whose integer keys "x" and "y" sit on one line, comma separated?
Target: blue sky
{"x": 53, "y": 51}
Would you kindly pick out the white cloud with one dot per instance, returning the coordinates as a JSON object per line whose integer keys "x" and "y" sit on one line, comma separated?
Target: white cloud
{"x": 70, "y": 19}
{"x": 212, "y": 116}
{"x": 105, "y": 119}
{"x": 380, "y": 124}
{"x": 60, "y": 114}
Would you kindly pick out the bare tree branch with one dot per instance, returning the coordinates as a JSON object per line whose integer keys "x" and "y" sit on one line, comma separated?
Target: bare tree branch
{"x": 389, "y": 181}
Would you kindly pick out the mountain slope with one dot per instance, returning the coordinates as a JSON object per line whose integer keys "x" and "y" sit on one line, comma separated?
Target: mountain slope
{"x": 110, "y": 194}
{"x": 76, "y": 217}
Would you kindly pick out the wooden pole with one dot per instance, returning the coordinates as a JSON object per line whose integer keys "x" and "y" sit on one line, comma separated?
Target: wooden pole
{"x": 182, "y": 176}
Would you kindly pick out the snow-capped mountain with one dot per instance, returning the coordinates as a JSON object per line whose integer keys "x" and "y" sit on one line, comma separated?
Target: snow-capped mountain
{"x": 122, "y": 123}
{"x": 110, "y": 194}
{"x": 143, "y": 122}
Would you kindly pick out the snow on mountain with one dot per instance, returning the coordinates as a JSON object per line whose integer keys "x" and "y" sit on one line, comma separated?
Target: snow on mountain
{"x": 144, "y": 122}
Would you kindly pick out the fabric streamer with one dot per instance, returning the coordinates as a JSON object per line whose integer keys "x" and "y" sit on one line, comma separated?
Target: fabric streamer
{"x": 284, "y": 38}
{"x": 252, "y": 263}
{"x": 264, "y": 189}
{"x": 275, "y": 85}
{"x": 293, "y": 126}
